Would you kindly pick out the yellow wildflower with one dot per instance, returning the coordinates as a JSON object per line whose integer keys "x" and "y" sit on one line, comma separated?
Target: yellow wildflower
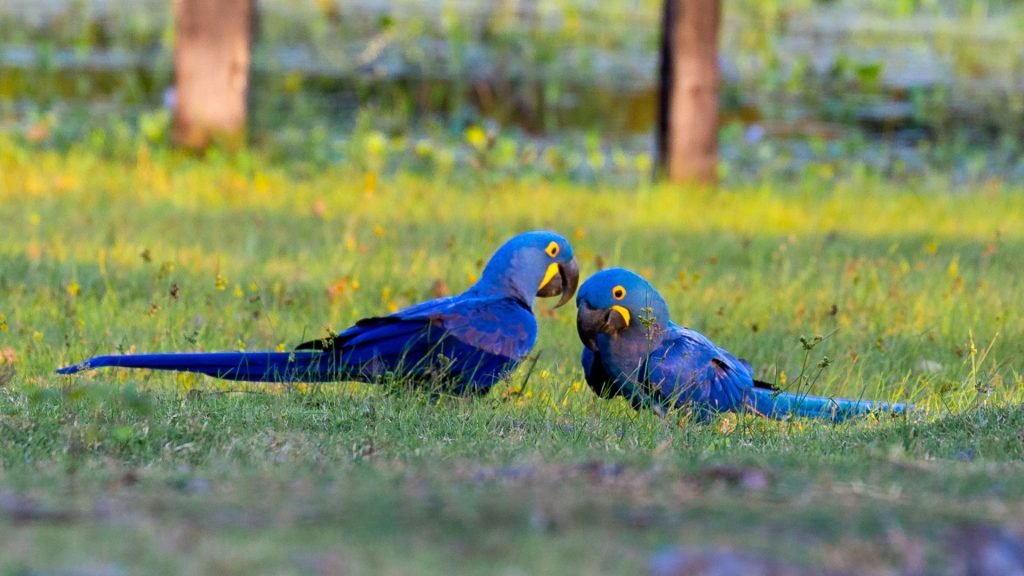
{"x": 477, "y": 137}
{"x": 376, "y": 143}
{"x": 370, "y": 182}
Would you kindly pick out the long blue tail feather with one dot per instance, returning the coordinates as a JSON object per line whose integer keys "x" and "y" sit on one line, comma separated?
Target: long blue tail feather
{"x": 301, "y": 366}
{"x": 781, "y": 405}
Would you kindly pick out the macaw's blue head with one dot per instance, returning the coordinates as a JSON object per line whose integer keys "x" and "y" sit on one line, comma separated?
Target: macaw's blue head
{"x": 618, "y": 302}
{"x": 532, "y": 264}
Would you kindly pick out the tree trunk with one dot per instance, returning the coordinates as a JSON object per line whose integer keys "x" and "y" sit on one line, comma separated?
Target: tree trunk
{"x": 688, "y": 113}
{"x": 212, "y": 47}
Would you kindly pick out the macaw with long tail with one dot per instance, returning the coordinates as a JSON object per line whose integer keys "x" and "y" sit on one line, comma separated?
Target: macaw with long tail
{"x": 464, "y": 344}
{"x": 633, "y": 349}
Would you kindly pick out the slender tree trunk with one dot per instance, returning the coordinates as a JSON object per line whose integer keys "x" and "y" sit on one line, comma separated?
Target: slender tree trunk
{"x": 212, "y": 47}
{"x": 688, "y": 114}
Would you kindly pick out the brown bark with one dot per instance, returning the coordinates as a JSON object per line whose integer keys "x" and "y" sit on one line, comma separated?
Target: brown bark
{"x": 212, "y": 48}
{"x": 688, "y": 115}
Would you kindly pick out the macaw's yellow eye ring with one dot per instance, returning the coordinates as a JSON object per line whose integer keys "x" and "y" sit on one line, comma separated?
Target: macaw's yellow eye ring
{"x": 552, "y": 249}
{"x": 618, "y": 292}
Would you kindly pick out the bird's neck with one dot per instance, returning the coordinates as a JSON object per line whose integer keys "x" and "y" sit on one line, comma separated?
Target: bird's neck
{"x": 510, "y": 279}
{"x": 635, "y": 343}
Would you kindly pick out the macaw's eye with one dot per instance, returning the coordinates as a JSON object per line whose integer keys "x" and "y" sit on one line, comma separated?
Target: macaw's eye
{"x": 552, "y": 249}
{"x": 618, "y": 292}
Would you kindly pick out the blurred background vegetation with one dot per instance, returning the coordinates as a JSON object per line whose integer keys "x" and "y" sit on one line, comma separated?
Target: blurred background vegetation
{"x": 564, "y": 88}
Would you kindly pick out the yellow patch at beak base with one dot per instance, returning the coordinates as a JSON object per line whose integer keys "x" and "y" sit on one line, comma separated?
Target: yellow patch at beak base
{"x": 550, "y": 273}
{"x": 622, "y": 312}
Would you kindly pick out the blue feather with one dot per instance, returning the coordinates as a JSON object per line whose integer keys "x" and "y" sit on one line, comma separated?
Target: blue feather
{"x": 780, "y": 405}
{"x": 250, "y": 366}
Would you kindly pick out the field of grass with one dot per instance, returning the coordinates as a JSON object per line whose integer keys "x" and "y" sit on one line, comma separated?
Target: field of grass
{"x": 916, "y": 289}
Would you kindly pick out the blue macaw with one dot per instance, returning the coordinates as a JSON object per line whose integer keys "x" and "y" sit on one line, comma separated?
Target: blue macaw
{"x": 463, "y": 344}
{"x": 633, "y": 349}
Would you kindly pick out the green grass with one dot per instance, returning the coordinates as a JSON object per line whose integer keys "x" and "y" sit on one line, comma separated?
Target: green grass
{"x": 917, "y": 288}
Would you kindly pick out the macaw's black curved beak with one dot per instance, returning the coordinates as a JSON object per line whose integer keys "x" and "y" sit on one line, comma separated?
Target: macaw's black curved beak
{"x": 592, "y": 321}
{"x": 564, "y": 283}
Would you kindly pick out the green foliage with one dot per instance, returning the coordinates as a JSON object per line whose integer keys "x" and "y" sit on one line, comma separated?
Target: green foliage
{"x": 545, "y": 66}
{"x": 840, "y": 283}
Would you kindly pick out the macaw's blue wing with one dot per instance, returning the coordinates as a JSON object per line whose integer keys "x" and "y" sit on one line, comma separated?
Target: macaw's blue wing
{"x": 689, "y": 369}
{"x": 470, "y": 342}
{"x": 692, "y": 370}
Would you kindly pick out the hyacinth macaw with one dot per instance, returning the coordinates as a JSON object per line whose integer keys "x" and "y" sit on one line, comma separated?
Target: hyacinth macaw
{"x": 633, "y": 349}
{"x": 462, "y": 344}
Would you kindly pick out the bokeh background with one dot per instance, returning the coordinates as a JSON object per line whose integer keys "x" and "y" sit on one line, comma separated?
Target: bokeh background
{"x": 565, "y": 87}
